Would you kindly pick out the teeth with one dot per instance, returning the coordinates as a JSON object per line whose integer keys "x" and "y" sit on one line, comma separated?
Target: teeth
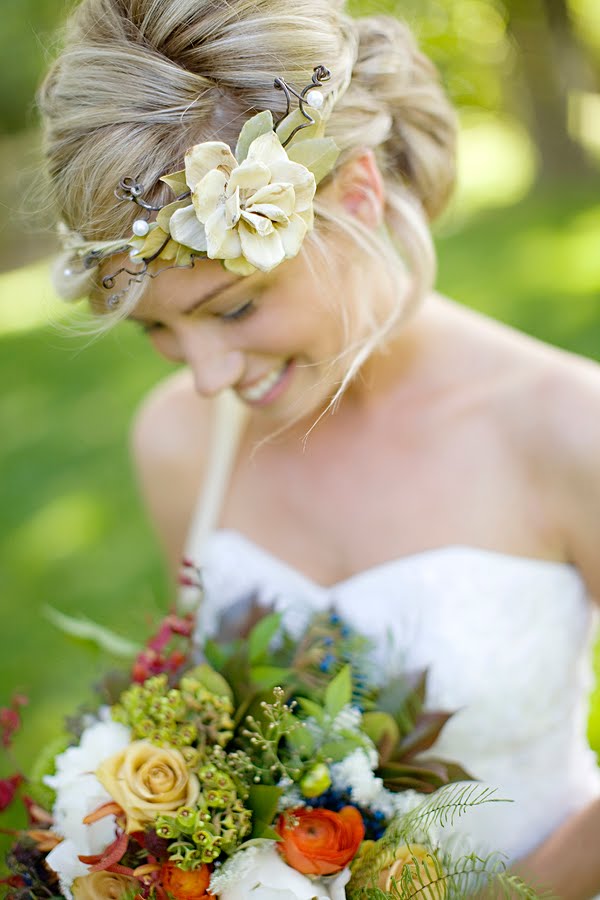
{"x": 262, "y": 388}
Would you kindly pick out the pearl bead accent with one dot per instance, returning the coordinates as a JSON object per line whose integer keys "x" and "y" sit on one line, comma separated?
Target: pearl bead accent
{"x": 68, "y": 272}
{"x": 140, "y": 228}
{"x": 315, "y": 98}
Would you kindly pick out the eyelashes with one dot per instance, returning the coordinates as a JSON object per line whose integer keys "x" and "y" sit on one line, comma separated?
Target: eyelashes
{"x": 244, "y": 310}
{"x": 235, "y": 315}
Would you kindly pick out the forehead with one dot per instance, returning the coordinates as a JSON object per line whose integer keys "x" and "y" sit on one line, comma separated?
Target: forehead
{"x": 176, "y": 288}
{"x": 164, "y": 288}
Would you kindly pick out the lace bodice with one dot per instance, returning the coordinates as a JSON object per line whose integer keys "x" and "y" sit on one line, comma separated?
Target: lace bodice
{"x": 506, "y": 641}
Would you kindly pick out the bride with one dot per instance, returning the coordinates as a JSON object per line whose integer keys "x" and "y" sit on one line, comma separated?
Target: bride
{"x": 354, "y": 437}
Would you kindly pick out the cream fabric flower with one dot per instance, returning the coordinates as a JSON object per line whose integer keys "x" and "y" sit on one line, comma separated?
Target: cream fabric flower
{"x": 252, "y": 215}
{"x": 148, "y": 781}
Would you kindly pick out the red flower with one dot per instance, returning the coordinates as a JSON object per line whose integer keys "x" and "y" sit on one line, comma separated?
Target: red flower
{"x": 8, "y": 789}
{"x": 182, "y": 885}
{"x": 153, "y": 659}
{"x": 10, "y": 720}
{"x": 319, "y": 841}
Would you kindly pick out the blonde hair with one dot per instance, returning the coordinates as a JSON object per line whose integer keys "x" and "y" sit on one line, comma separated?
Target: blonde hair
{"x": 140, "y": 81}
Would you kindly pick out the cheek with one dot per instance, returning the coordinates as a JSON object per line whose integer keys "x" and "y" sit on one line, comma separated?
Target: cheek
{"x": 166, "y": 344}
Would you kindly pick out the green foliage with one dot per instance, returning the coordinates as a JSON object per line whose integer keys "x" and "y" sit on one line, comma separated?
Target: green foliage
{"x": 428, "y": 871}
{"x": 263, "y": 800}
{"x": 338, "y": 692}
{"x": 181, "y": 717}
{"x": 258, "y": 125}
{"x": 84, "y": 629}
{"x": 216, "y": 825}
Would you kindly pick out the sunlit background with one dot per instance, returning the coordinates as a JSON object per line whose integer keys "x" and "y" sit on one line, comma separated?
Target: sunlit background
{"x": 521, "y": 242}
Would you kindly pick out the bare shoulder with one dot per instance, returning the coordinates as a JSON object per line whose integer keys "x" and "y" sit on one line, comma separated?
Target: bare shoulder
{"x": 565, "y": 435}
{"x": 168, "y": 442}
{"x": 548, "y": 402}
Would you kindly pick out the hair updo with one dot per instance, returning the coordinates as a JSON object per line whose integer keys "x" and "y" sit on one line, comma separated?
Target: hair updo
{"x": 141, "y": 81}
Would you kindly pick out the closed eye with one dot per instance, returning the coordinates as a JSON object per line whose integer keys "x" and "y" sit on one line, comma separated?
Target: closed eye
{"x": 239, "y": 313}
{"x": 148, "y": 327}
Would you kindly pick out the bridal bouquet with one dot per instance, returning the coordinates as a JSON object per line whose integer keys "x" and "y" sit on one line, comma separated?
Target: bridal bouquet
{"x": 264, "y": 764}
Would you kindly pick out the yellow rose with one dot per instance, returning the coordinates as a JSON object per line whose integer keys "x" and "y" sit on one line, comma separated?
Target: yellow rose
{"x": 148, "y": 781}
{"x": 424, "y": 867}
{"x": 103, "y": 886}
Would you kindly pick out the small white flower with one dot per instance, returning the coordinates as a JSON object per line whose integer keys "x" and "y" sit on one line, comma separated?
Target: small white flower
{"x": 252, "y": 215}
{"x": 355, "y": 774}
{"x": 348, "y": 719}
{"x": 260, "y": 872}
{"x": 78, "y": 793}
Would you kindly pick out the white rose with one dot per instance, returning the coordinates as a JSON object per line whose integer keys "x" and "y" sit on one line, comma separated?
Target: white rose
{"x": 78, "y": 793}
{"x": 262, "y": 873}
{"x": 253, "y": 214}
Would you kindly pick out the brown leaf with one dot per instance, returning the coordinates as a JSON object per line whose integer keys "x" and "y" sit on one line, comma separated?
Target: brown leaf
{"x": 426, "y": 731}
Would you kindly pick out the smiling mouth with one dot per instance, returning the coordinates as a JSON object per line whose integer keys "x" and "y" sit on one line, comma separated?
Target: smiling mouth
{"x": 262, "y": 391}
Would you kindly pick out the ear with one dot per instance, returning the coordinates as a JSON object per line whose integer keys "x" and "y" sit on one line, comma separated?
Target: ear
{"x": 360, "y": 189}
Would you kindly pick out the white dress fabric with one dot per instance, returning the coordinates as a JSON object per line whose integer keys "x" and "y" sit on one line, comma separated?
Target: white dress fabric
{"x": 507, "y": 644}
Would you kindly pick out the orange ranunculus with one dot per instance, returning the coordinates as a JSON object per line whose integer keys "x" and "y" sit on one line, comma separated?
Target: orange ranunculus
{"x": 319, "y": 841}
{"x": 182, "y": 885}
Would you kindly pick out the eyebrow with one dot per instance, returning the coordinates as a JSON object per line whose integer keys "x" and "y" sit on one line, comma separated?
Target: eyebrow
{"x": 216, "y": 292}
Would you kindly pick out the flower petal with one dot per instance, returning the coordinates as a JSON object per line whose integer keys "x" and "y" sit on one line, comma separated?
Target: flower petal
{"x": 270, "y": 212}
{"x": 249, "y": 176}
{"x": 208, "y": 193}
{"x": 187, "y": 229}
{"x": 267, "y": 149}
{"x": 233, "y": 209}
{"x": 261, "y": 224}
{"x": 292, "y": 236}
{"x": 222, "y": 242}
{"x": 299, "y": 176}
{"x": 239, "y": 266}
{"x": 201, "y": 158}
{"x": 263, "y": 251}
{"x": 280, "y": 194}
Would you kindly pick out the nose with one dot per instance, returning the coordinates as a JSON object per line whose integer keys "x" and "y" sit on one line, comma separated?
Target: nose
{"x": 214, "y": 366}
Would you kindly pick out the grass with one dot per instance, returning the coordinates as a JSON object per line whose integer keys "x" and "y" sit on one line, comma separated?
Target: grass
{"x": 72, "y": 532}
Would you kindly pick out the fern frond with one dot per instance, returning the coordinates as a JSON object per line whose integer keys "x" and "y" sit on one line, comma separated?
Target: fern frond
{"x": 449, "y": 879}
{"x": 442, "y": 809}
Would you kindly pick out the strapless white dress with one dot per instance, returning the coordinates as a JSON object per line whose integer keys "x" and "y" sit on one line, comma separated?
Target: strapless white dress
{"x": 506, "y": 641}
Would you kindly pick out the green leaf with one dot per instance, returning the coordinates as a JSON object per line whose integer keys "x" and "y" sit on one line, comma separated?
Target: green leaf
{"x": 259, "y": 124}
{"x": 86, "y": 630}
{"x": 177, "y": 182}
{"x": 265, "y": 832}
{"x": 216, "y": 655}
{"x": 265, "y": 677}
{"x": 302, "y": 741}
{"x": 263, "y": 800}
{"x": 164, "y": 216}
{"x": 383, "y": 731}
{"x": 336, "y": 751}
{"x": 211, "y": 680}
{"x": 311, "y": 709}
{"x": 308, "y": 132}
{"x": 319, "y": 156}
{"x": 261, "y": 636}
{"x": 339, "y": 692}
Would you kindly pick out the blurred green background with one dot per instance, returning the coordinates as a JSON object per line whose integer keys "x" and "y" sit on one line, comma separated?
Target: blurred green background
{"x": 521, "y": 242}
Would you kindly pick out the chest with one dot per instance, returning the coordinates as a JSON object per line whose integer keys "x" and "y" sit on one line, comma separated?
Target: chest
{"x": 386, "y": 488}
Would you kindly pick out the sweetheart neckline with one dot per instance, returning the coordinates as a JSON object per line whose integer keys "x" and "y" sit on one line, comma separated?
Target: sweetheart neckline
{"x": 409, "y": 558}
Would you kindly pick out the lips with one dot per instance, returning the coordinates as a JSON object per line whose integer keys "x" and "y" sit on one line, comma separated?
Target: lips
{"x": 260, "y": 391}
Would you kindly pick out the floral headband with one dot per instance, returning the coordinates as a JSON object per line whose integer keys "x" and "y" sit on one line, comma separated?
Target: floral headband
{"x": 251, "y": 209}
